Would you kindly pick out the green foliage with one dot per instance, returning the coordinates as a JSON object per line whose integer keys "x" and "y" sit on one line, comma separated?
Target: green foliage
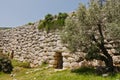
{"x": 47, "y": 23}
{"x": 30, "y": 23}
{"x": 41, "y": 24}
{"x": 93, "y": 53}
{"x": 48, "y": 18}
{"x": 82, "y": 31}
{"x": 52, "y": 22}
{"x": 5, "y": 64}
{"x": 61, "y": 18}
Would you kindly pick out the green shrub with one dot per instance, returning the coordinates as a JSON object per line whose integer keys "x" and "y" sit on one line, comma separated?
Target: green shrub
{"x": 49, "y": 18}
{"x": 53, "y": 22}
{"x": 5, "y": 64}
{"x": 61, "y": 19}
{"x": 30, "y": 23}
{"x": 41, "y": 24}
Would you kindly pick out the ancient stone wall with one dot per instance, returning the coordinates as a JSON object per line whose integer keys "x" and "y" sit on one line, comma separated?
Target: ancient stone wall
{"x": 27, "y": 43}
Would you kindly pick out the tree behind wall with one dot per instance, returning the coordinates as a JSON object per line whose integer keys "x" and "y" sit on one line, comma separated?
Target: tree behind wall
{"x": 91, "y": 27}
{"x": 53, "y": 22}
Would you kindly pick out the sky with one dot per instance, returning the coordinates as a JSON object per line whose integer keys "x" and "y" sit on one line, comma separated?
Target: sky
{"x": 15, "y": 13}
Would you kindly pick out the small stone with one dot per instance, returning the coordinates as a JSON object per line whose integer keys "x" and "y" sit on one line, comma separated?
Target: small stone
{"x": 52, "y": 62}
{"x": 71, "y": 59}
{"x": 35, "y": 78}
{"x": 27, "y": 73}
{"x": 113, "y": 51}
{"x": 65, "y": 54}
{"x": 83, "y": 63}
{"x": 111, "y": 42}
{"x": 36, "y": 70}
{"x": 14, "y": 79}
{"x": 32, "y": 65}
{"x": 59, "y": 70}
{"x": 12, "y": 75}
{"x": 35, "y": 62}
{"x": 51, "y": 66}
{"x": 105, "y": 75}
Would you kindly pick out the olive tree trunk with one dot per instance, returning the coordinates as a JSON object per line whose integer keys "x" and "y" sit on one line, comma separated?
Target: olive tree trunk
{"x": 106, "y": 57}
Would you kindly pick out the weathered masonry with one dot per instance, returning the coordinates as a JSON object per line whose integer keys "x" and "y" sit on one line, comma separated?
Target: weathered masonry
{"x": 27, "y": 43}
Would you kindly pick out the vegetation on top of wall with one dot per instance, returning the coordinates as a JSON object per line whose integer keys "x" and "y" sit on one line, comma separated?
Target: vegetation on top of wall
{"x": 30, "y": 23}
{"x": 53, "y": 22}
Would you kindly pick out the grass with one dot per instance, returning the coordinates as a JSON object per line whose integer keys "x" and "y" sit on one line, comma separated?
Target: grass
{"x": 44, "y": 73}
{"x": 20, "y": 64}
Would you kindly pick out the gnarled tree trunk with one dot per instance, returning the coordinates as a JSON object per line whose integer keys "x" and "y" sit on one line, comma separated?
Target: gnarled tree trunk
{"x": 106, "y": 57}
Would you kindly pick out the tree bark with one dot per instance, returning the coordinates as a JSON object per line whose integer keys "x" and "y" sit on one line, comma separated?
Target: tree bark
{"x": 109, "y": 62}
{"x": 106, "y": 56}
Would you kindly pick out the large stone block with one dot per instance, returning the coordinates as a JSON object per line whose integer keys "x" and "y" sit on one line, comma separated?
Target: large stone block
{"x": 35, "y": 62}
{"x": 70, "y": 59}
{"x": 51, "y": 57}
{"x": 74, "y": 65}
{"x": 65, "y": 54}
{"x": 41, "y": 54}
{"x": 45, "y": 58}
{"x": 65, "y": 59}
{"x": 116, "y": 60}
{"x": 66, "y": 65}
{"x": 83, "y": 64}
{"x": 53, "y": 62}
{"x": 58, "y": 50}
{"x": 108, "y": 46}
{"x": 52, "y": 53}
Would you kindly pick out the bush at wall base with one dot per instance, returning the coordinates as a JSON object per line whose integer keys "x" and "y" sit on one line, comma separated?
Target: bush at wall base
{"x": 5, "y": 64}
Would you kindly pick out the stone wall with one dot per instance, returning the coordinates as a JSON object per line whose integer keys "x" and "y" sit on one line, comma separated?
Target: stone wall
{"x": 27, "y": 43}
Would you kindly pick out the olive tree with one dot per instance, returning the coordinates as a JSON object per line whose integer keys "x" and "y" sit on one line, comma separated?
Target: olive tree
{"x": 88, "y": 30}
